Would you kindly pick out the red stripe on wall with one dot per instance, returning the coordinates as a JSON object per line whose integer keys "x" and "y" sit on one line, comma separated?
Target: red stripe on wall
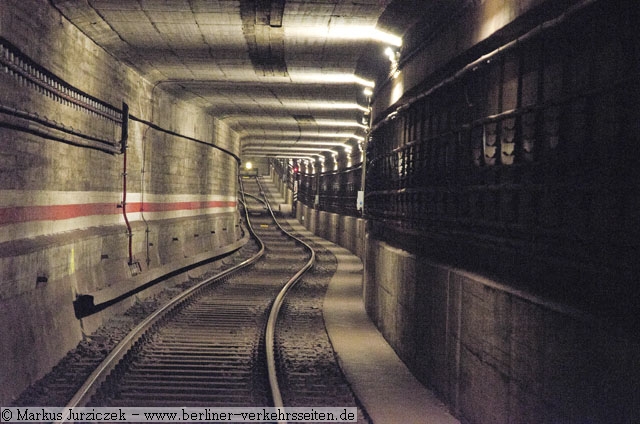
{"x": 17, "y": 214}
{"x": 177, "y": 206}
{"x": 54, "y": 212}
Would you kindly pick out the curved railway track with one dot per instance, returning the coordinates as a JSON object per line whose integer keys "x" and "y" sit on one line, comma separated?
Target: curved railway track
{"x": 214, "y": 344}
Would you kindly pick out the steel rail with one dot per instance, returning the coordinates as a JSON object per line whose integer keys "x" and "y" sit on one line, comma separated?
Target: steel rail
{"x": 99, "y": 375}
{"x": 254, "y": 197}
{"x": 275, "y": 310}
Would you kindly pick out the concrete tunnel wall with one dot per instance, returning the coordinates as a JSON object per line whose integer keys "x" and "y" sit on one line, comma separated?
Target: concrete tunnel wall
{"x": 61, "y": 232}
{"x": 490, "y": 352}
{"x": 493, "y": 353}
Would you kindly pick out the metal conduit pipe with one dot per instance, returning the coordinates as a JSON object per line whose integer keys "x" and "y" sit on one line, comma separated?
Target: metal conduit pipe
{"x": 147, "y": 230}
{"x": 13, "y": 61}
{"x": 40, "y": 130}
{"x": 543, "y": 27}
{"x": 125, "y": 146}
{"x": 186, "y": 137}
{"x": 151, "y": 125}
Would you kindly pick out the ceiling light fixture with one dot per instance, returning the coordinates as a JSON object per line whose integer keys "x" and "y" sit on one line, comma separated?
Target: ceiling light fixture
{"x": 298, "y": 134}
{"x": 387, "y": 38}
{"x": 392, "y": 54}
{"x": 307, "y": 105}
{"x": 365, "y": 82}
{"x": 341, "y": 106}
{"x": 266, "y": 144}
{"x": 332, "y": 123}
{"x": 294, "y": 157}
{"x": 288, "y": 121}
{"x": 257, "y": 149}
{"x": 345, "y": 32}
{"x": 328, "y": 78}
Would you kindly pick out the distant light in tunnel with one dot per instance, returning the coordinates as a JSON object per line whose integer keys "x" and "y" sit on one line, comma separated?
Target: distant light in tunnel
{"x": 248, "y": 165}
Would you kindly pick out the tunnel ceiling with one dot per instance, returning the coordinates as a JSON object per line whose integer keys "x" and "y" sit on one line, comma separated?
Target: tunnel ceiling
{"x": 282, "y": 73}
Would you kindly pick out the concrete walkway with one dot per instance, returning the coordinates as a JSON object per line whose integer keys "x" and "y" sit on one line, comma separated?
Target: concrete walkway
{"x": 388, "y": 391}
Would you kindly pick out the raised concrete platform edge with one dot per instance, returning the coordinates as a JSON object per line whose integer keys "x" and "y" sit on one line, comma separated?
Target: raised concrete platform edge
{"x": 381, "y": 381}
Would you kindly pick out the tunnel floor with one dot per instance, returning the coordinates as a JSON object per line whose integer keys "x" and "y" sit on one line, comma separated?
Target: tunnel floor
{"x": 385, "y": 390}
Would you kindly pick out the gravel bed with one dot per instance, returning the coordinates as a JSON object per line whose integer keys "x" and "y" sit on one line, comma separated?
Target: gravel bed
{"x": 311, "y": 376}
{"x": 61, "y": 383}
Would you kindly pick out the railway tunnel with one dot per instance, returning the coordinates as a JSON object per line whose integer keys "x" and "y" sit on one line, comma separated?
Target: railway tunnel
{"x": 480, "y": 157}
